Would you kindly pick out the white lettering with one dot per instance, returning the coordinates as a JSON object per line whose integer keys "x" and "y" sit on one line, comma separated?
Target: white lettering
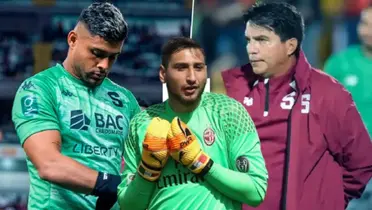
{"x": 305, "y": 103}
{"x": 288, "y": 101}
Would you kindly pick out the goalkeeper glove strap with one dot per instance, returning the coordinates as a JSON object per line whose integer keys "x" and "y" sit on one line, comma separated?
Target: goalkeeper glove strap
{"x": 200, "y": 162}
{"x": 147, "y": 172}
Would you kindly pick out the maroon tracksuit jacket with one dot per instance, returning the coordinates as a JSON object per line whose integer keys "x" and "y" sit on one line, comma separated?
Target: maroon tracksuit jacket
{"x": 317, "y": 150}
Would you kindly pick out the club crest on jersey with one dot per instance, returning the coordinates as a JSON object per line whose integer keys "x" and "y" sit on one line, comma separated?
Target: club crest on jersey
{"x": 209, "y": 136}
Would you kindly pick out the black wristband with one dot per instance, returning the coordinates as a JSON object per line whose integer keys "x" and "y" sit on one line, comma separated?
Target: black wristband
{"x": 206, "y": 169}
{"x": 106, "y": 185}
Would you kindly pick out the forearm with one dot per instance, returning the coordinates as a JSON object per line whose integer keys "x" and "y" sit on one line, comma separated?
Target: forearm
{"x": 237, "y": 186}
{"x": 70, "y": 174}
{"x": 136, "y": 195}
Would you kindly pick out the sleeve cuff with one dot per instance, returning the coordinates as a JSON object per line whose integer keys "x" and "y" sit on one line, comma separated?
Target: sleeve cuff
{"x": 23, "y": 137}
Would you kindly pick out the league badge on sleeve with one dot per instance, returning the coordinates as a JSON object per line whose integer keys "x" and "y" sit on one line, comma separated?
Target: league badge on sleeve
{"x": 29, "y": 105}
{"x": 242, "y": 164}
{"x": 209, "y": 136}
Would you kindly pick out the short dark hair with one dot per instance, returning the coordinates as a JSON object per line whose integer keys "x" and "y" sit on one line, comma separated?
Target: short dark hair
{"x": 281, "y": 18}
{"x": 177, "y": 44}
{"x": 105, "y": 20}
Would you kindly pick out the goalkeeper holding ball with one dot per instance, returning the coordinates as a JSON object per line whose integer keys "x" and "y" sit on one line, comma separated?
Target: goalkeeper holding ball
{"x": 194, "y": 151}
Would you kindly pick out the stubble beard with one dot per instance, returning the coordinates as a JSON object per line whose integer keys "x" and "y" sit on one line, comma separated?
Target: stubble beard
{"x": 184, "y": 101}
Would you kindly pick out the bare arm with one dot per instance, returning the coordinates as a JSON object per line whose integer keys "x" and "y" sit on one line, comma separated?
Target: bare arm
{"x": 43, "y": 149}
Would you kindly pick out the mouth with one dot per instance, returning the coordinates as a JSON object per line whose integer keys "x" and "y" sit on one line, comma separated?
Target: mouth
{"x": 255, "y": 60}
{"x": 189, "y": 90}
{"x": 98, "y": 76}
{"x": 255, "y": 63}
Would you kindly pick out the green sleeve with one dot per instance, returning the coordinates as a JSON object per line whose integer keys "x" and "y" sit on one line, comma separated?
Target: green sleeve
{"x": 33, "y": 109}
{"x": 133, "y": 191}
{"x": 246, "y": 180}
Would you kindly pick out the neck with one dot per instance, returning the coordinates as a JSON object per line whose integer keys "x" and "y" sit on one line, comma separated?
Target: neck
{"x": 367, "y": 51}
{"x": 69, "y": 68}
{"x": 179, "y": 107}
{"x": 284, "y": 67}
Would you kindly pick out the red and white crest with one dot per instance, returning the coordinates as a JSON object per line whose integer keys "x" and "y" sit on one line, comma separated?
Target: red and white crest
{"x": 209, "y": 136}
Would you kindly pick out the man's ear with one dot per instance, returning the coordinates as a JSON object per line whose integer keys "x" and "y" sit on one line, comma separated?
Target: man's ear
{"x": 291, "y": 46}
{"x": 71, "y": 39}
{"x": 162, "y": 74}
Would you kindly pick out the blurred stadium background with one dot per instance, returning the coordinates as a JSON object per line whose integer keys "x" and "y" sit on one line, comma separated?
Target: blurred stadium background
{"x": 219, "y": 27}
{"x": 33, "y": 37}
{"x": 330, "y": 27}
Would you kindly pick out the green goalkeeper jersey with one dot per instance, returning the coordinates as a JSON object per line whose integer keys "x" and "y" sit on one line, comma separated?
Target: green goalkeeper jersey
{"x": 93, "y": 123}
{"x": 225, "y": 132}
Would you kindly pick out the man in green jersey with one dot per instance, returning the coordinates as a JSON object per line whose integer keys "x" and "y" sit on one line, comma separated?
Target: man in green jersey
{"x": 72, "y": 120}
{"x": 353, "y": 68}
{"x": 208, "y": 158}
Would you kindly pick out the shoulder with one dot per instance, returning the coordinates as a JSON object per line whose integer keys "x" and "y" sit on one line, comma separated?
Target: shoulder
{"x": 222, "y": 104}
{"x": 327, "y": 89}
{"x": 342, "y": 56}
{"x": 234, "y": 78}
{"x": 156, "y": 110}
{"x": 42, "y": 82}
{"x": 46, "y": 76}
{"x": 212, "y": 99}
{"x": 243, "y": 70}
{"x": 111, "y": 85}
{"x": 348, "y": 51}
{"x": 230, "y": 113}
{"x": 323, "y": 81}
{"x": 147, "y": 114}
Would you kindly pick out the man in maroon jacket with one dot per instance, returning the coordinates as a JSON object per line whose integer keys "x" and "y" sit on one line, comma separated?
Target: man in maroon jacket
{"x": 315, "y": 145}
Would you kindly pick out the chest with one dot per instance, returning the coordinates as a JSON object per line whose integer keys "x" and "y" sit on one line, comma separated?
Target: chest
{"x": 209, "y": 132}
{"x": 272, "y": 112}
{"x": 93, "y": 117}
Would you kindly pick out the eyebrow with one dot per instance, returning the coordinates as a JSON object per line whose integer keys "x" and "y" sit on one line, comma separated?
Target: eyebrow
{"x": 258, "y": 37}
{"x": 187, "y": 64}
{"x": 105, "y": 52}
